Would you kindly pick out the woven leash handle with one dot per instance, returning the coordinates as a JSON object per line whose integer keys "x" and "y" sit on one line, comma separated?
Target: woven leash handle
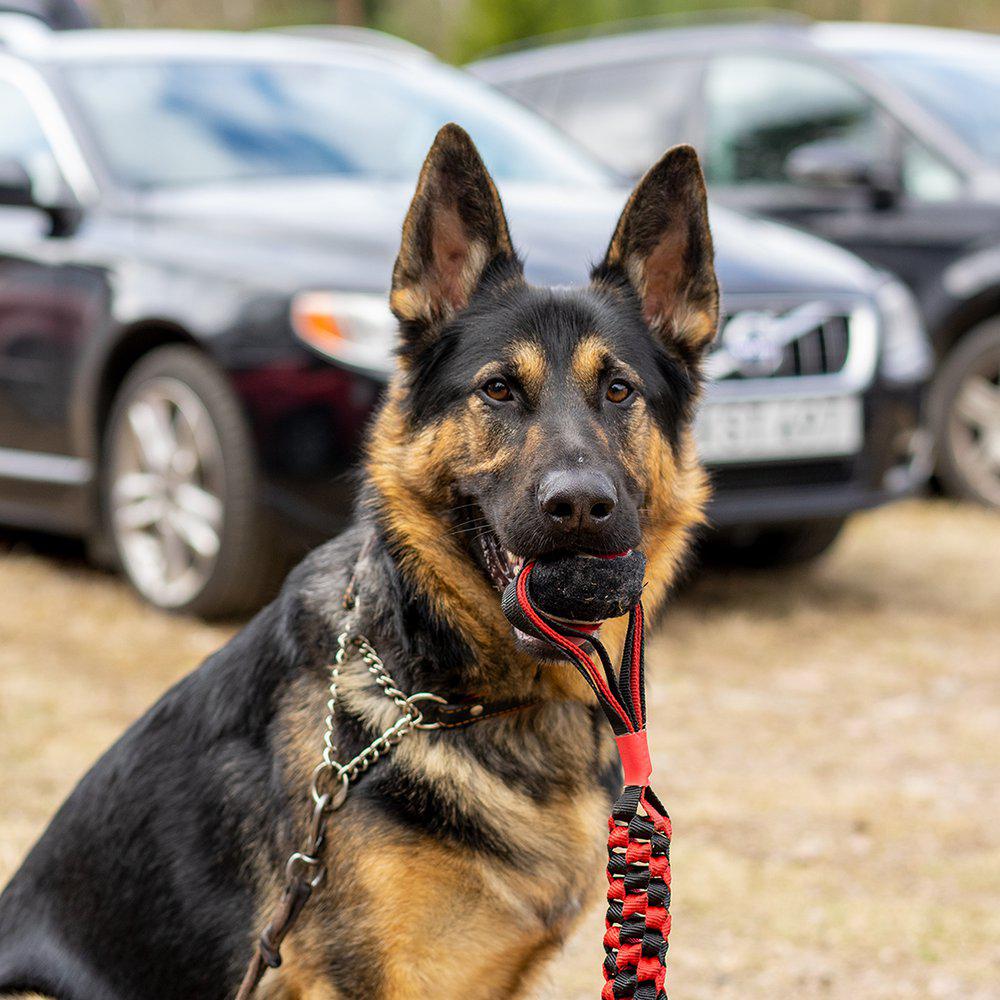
{"x": 637, "y": 924}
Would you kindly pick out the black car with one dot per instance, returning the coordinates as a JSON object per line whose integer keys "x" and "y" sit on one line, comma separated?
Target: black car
{"x": 882, "y": 138}
{"x": 194, "y": 261}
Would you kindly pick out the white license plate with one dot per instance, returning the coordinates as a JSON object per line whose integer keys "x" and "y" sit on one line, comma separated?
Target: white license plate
{"x": 775, "y": 429}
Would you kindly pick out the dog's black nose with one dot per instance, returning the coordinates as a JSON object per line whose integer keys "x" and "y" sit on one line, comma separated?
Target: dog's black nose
{"x": 577, "y": 498}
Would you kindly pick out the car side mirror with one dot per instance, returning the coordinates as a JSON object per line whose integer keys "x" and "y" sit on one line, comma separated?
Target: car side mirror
{"x": 831, "y": 163}
{"x": 17, "y": 190}
{"x": 15, "y": 185}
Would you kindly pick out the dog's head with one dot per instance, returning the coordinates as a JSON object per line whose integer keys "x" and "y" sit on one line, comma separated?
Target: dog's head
{"x": 525, "y": 421}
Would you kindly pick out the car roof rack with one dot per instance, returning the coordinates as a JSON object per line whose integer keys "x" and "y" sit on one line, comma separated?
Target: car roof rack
{"x": 720, "y": 16}
{"x": 20, "y": 31}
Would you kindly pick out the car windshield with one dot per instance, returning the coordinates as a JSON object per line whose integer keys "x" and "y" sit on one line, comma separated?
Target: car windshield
{"x": 166, "y": 122}
{"x": 960, "y": 88}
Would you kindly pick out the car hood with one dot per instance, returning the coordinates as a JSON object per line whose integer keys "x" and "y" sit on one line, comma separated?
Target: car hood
{"x": 345, "y": 234}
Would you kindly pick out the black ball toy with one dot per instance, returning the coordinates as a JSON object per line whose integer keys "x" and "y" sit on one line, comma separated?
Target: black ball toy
{"x": 586, "y": 588}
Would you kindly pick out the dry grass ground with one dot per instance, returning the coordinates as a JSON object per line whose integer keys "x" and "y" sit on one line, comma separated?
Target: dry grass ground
{"x": 828, "y": 743}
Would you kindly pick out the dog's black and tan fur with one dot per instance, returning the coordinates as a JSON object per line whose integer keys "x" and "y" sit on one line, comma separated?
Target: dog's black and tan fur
{"x": 461, "y": 860}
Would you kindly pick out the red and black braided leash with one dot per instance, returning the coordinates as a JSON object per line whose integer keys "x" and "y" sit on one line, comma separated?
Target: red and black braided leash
{"x": 638, "y": 918}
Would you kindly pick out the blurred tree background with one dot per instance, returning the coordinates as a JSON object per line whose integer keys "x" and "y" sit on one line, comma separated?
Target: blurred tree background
{"x": 458, "y": 30}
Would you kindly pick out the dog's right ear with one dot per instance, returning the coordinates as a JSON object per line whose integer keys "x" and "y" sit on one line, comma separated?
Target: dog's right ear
{"x": 454, "y": 231}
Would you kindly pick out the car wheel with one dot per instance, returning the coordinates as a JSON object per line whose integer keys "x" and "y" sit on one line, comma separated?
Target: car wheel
{"x": 179, "y": 488}
{"x": 965, "y": 411}
{"x": 785, "y": 545}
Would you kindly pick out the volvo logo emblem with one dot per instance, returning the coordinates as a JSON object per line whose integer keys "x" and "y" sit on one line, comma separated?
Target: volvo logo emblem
{"x": 750, "y": 340}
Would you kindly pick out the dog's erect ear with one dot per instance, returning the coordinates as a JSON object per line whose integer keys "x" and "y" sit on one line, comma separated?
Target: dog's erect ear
{"x": 663, "y": 247}
{"x": 454, "y": 230}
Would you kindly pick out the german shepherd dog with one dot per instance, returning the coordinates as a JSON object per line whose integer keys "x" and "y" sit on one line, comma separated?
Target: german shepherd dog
{"x": 521, "y": 421}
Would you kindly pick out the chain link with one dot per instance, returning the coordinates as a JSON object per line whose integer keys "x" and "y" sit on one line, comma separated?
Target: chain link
{"x": 330, "y": 772}
{"x": 331, "y": 780}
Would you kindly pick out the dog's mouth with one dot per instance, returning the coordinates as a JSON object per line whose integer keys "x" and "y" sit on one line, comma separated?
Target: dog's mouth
{"x": 501, "y": 566}
{"x": 498, "y": 563}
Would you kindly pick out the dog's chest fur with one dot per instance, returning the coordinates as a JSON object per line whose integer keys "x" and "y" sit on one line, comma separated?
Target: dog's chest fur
{"x": 461, "y": 859}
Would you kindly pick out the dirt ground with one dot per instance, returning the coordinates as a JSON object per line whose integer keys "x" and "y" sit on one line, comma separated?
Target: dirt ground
{"x": 827, "y": 742}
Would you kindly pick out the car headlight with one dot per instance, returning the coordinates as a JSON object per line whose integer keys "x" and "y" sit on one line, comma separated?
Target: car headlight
{"x": 355, "y": 329}
{"x": 906, "y": 353}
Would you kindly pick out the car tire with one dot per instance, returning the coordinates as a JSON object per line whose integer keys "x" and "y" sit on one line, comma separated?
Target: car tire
{"x": 772, "y": 547}
{"x": 179, "y": 489}
{"x": 965, "y": 416}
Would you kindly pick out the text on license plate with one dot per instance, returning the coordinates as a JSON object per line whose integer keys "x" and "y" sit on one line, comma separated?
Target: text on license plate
{"x": 776, "y": 429}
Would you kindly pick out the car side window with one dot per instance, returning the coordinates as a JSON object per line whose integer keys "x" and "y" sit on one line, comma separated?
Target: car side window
{"x": 760, "y": 108}
{"x": 625, "y": 114}
{"x": 22, "y": 138}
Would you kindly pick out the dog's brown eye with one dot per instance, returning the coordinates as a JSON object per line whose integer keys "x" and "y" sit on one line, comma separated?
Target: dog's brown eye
{"x": 498, "y": 389}
{"x": 619, "y": 391}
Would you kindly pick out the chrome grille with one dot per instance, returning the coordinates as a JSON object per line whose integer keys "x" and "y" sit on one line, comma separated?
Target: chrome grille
{"x": 808, "y": 340}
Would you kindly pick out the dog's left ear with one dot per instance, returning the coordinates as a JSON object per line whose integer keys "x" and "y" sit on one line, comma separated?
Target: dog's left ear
{"x": 454, "y": 231}
{"x": 663, "y": 247}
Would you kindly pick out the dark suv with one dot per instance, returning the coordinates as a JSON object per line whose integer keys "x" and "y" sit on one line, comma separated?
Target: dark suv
{"x": 196, "y": 237}
{"x": 882, "y": 138}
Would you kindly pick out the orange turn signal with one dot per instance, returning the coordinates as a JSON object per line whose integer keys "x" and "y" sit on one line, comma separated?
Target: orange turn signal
{"x": 314, "y": 321}
{"x": 355, "y": 329}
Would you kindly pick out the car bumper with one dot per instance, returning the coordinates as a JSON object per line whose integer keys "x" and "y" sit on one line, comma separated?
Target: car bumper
{"x": 895, "y": 462}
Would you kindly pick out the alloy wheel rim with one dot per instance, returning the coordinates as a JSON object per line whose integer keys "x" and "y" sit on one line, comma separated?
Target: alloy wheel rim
{"x": 167, "y": 492}
{"x": 974, "y": 428}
